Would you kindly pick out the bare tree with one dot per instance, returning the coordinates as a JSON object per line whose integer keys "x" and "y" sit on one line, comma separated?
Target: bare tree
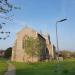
{"x": 6, "y": 7}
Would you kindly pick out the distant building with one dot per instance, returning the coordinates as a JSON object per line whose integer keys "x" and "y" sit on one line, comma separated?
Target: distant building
{"x": 2, "y": 53}
{"x": 18, "y": 53}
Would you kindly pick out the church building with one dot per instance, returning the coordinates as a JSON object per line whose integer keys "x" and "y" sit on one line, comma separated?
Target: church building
{"x": 19, "y": 50}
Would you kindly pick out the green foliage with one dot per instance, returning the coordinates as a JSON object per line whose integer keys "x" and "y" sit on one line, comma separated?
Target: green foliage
{"x": 67, "y": 54}
{"x": 8, "y": 52}
{"x": 32, "y": 46}
{"x": 73, "y": 54}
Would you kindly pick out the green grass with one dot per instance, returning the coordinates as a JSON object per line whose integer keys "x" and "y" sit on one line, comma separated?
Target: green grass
{"x": 3, "y": 66}
{"x": 66, "y": 67}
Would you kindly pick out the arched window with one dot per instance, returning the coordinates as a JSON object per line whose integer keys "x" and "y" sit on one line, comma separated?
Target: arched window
{"x": 23, "y": 41}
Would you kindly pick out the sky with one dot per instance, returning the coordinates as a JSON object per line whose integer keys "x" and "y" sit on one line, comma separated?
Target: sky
{"x": 42, "y": 15}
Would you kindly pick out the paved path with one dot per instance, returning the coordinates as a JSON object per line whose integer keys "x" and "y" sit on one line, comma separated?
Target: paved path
{"x": 11, "y": 69}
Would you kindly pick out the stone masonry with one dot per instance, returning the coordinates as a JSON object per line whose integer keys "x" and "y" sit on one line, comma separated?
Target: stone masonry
{"x": 18, "y": 53}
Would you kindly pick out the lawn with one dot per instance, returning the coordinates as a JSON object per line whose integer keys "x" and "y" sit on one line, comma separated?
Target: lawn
{"x": 3, "y": 66}
{"x": 66, "y": 67}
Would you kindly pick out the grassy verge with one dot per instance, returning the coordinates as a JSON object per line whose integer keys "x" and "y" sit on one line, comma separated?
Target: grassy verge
{"x": 66, "y": 67}
{"x": 3, "y": 66}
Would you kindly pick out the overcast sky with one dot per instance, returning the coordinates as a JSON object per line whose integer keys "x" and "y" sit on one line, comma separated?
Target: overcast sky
{"x": 42, "y": 15}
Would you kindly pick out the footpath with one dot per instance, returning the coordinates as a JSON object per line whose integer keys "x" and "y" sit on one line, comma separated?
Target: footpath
{"x": 11, "y": 69}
